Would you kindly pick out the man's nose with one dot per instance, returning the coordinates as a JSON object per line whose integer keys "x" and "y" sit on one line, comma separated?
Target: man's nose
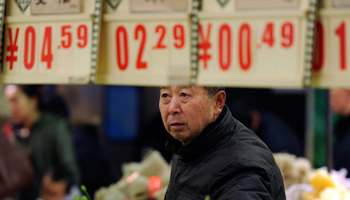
{"x": 174, "y": 106}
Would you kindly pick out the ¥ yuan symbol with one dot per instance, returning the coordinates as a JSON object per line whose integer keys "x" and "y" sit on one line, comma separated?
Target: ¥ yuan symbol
{"x": 222, "y": 2}
{"x": 114, "y": 3}
{"x": 23, "y": 4}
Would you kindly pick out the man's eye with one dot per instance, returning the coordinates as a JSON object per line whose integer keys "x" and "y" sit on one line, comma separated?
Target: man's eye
{"x": 165, "y": 95}
{"x": 184, "y": 95}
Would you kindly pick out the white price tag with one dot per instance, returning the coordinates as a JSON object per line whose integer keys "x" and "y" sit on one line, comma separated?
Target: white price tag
{"x": 141, "y": 53}
{"x": 44, "y": 49}
{"x": 159, "y": 5}
{"x": 341, "y": 3}
{"x": 258, "y": 4}
{"x": 55, "y": 6}
{"x": 332, "y": 56}
{"x": 254, "y": 52}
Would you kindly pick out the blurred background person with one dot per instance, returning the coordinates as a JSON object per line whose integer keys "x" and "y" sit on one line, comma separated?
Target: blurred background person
{"x": 57, "y": 184}
{"x": 42, "y": 135}
{"x": 340, "y": 104}
{"x": 5, "y": 113}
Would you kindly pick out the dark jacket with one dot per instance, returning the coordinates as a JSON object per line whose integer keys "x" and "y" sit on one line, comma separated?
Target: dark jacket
{"x": 227, "y": 161}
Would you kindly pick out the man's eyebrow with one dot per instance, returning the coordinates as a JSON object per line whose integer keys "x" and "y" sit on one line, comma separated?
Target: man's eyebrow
{"x": 163, "y": 88}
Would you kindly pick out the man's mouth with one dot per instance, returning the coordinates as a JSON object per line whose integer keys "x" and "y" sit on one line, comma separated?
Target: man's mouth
{"x": 176, "y": 126}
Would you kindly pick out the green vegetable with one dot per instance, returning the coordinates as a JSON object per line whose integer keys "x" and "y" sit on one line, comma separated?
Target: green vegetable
{"x": 87, "y": 197}
{"x": 76, "y": 197}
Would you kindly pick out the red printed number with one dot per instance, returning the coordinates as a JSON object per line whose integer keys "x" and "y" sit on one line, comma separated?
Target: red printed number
{"x": 244, "y": 52}
{"x": 268, "y": 36}
{"x": 140, "y": 29}
{"x": 82, "y": 34}
{"x": 340, "y": 31}
{"x": 225, "y": 53}
{"x": 287, "y": 34}
{"x": 160, "y": 29}
{"x": 318, "y": 54}
{"x": 12, "y": 48}
{"x": 179, "y": 36}
{"x": 121, "y": 32}
{"x": 46, "y": 52}
{"x": 29, "y": 36}
{"x": 244, "y": 47}
{"x": 66, "y": 33}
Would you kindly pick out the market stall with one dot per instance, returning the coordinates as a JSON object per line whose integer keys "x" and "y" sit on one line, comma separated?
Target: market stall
{"x": 277, "y": 44}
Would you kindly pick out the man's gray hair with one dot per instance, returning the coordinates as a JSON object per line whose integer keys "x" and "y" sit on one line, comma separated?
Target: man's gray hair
{"x": 211, "y": 91}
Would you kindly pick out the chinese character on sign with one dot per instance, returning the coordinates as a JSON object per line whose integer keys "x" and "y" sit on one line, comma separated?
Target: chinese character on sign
{"x": 40, "y": 2}
{"x": 341, "y": 3}
{"x": 258, "y": 4}
{"x": 158, "y": 5}
{"x": 64, "y": 1}
{"x": 40, "y": 7}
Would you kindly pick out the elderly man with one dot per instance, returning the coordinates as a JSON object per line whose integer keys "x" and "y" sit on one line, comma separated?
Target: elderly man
{"x": 214, "y": 154}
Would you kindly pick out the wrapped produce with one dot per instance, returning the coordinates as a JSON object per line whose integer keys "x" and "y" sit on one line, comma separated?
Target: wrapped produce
{"x": 159, "y": 195}
{"x": 294, "y": 170}
{"x": 325, "y": 188}
{"x": 303, "y": 168}
{"x": 321, "y": 179}
{"x": 145, "y": 188}
{"x": 154, "y": 165}
{"x": 140, "y": 181}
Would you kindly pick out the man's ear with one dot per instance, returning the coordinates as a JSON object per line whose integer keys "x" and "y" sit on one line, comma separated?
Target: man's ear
{"x": 219, "y": 100}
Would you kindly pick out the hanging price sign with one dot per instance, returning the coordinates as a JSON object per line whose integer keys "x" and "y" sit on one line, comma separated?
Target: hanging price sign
{"x": 331, "y": 52}
{"x": 143, "y": 53}
{"x": 47, "y": 49}
{"x": 251, "y": 50}
{"x": 144, "y": 49}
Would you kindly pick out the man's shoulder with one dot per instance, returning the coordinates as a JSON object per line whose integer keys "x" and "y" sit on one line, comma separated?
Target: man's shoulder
{"x": 244, "y": 146}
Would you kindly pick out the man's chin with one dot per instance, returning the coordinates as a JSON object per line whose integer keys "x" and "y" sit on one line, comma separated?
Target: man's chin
{"x": 182, "y": 138}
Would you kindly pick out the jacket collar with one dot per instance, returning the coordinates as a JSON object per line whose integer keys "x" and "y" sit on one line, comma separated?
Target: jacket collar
{"x": 210, "y": 136}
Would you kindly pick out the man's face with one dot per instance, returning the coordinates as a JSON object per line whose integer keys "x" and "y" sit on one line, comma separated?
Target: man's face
{"x": 186, "y": 111}
{"x": 21, "y": 105}
{"x": 53, "y": 190}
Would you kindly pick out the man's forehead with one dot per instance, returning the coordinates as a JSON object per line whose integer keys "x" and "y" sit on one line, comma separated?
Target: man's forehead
{"x": 191, "y": 87}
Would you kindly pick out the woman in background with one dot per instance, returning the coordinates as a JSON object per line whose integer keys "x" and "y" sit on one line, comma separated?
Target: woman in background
{"x": 42, "y": 135}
